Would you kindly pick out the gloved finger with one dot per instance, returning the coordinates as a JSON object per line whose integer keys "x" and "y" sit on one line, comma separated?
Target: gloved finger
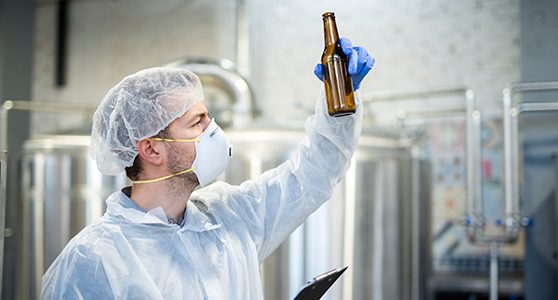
{"x": 353, "y": 62}
{"x": 366, "y": 67}
{"x": 349, "y": 50}
{"x": 370, "y": 62}
{"x": 362, "y": 57}
{"x": 346, "y": 46}
{"x": 319, "y": 72}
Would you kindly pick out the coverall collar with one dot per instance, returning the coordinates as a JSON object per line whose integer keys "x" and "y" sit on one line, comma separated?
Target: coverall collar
{"x": 120, "y": 204}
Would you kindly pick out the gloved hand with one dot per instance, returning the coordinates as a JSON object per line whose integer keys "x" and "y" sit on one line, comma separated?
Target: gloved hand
{"x": 360, "y": 62}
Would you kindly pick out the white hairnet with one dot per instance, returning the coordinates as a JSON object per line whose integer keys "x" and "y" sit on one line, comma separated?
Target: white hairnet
{"x": 139, "y": 106}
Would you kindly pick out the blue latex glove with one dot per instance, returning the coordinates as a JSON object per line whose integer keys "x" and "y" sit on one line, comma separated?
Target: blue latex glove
{"x": 360, "y": 62}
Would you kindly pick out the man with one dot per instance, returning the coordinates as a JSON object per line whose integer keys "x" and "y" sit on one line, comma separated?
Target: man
{"x": 160, "y": 239}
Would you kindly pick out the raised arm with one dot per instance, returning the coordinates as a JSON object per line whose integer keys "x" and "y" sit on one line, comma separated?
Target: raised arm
{"x": 273, "y": 205}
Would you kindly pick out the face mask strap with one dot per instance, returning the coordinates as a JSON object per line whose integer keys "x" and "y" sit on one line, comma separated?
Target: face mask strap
{"x": 164, "y": 177}
{"x": 171, "y": 175}
{"x": 197, "y": 139}
{"x": 174, "y": 140}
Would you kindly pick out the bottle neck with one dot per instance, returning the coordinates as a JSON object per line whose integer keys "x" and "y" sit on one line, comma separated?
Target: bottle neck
{"x": 330, "y": 31}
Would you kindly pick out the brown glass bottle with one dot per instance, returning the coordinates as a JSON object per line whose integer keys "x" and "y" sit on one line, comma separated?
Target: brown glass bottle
{"x": 337, "y": 82}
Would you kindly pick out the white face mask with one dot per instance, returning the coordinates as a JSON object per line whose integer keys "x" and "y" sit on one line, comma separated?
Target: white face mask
{"x": 213, "y": 153}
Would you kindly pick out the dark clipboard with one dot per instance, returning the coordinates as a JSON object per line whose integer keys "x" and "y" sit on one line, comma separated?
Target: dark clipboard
{"x": 318, "y": 286}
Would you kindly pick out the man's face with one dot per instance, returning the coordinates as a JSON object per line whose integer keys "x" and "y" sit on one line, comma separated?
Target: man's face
{"x": 181, "y": 155}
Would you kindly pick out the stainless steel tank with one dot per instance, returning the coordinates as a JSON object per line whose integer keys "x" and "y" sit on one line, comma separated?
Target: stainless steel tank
{"x": 61, "y": 192}
{"x": 366, "y": 225}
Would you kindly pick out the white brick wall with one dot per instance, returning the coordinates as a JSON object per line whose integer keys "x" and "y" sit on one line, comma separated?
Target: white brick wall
{"x": 418, "y": 44}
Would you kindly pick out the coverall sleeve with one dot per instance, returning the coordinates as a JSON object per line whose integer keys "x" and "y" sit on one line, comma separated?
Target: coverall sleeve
{"x": 276, "y": 203}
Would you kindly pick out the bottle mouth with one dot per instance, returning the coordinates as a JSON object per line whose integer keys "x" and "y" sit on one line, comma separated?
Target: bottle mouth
{"x": 328, "y": 14}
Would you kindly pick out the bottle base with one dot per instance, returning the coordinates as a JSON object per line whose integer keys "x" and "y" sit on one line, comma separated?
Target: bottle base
{"x": 342, "y": 114}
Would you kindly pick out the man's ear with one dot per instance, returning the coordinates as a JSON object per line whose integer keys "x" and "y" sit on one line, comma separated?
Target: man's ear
{"x": 151, "y": 152}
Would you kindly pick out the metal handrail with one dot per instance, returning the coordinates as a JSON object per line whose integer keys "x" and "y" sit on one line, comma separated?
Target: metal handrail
{"x": 474, "y": 219}
{"x": 514, "y": 217}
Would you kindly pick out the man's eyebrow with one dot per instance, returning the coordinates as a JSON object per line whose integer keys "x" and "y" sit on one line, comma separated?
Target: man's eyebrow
{"x": 197, "y": 116}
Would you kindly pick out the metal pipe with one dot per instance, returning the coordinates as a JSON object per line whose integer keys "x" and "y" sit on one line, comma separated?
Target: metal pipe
{"x": 224, "y": 73}
{"x": 513, "y": 211}
{"x": 474, "y": 220}
{"x": 243, "y": 39}
{"x": 3, "y": 129}
{"x": 518, "y": 87}
{"x": 3, "y": 169}
{"x": 493, "y": 271}
{"x": 390, "y": 96}
{"x": 536, "y": 106}
{"x": 36, "y": 106}
{"x": 513, "y": 218}
{"x": 46, "y": 106}
{"x": 509, "y": 179}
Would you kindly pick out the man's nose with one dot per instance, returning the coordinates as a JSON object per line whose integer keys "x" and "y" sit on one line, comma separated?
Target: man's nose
{"x": 205, "y": 122}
